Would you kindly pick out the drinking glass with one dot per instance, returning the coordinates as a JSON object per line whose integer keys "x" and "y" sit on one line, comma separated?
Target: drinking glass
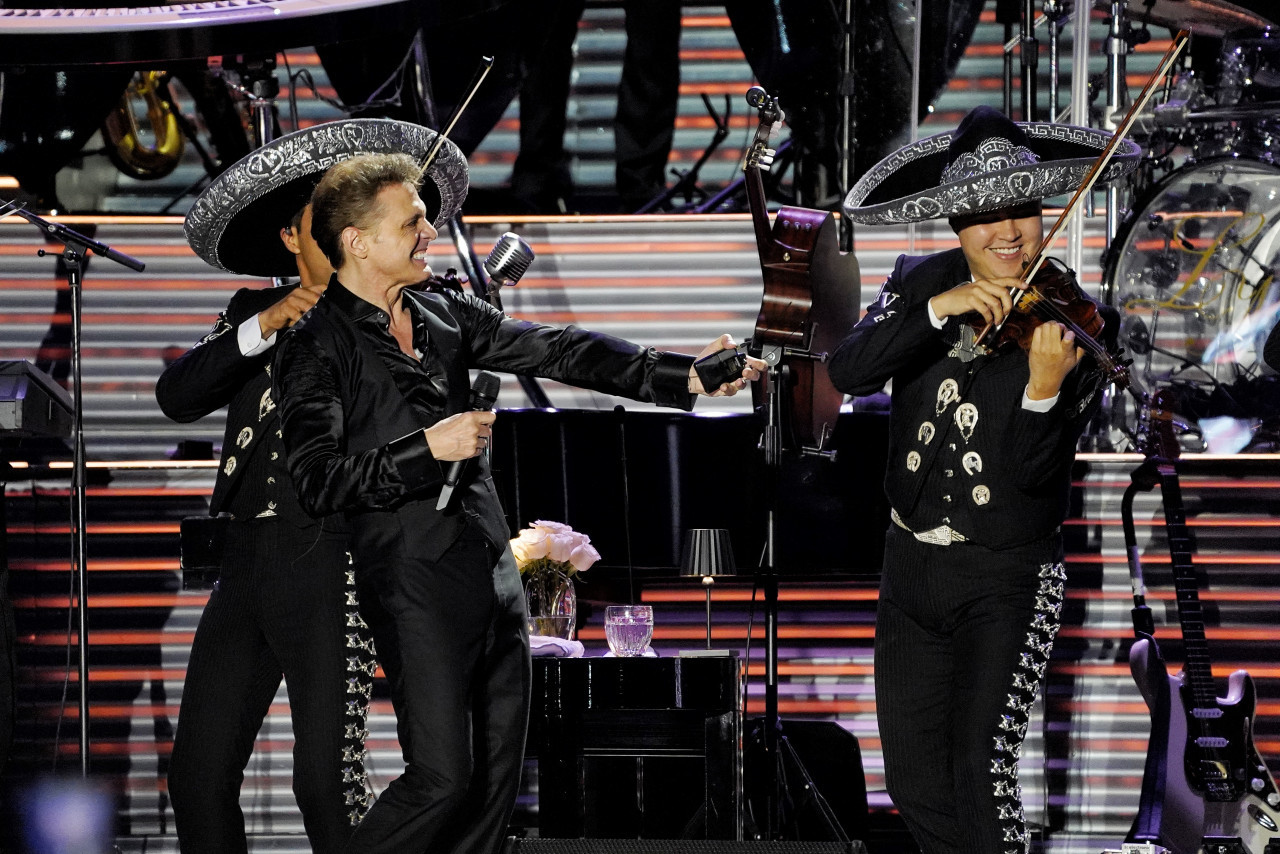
{"x": 628, "y": 628}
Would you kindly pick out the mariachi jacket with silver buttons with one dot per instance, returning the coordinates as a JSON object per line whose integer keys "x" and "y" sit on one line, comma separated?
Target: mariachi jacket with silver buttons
{"x": 963, "y": 451}
{"x": 253, "y": 476}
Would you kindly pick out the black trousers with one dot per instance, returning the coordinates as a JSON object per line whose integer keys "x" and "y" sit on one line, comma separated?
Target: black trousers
{"x": 963, "y": 638}
{"x": 644, "y": 125}
{"x": 453, "y": 642}
{"x": 281, "y": 608}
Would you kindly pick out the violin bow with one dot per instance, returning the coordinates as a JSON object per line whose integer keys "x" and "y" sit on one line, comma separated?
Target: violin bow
{"x": 1099, "y": 165}
{"x": 486, "y": 65}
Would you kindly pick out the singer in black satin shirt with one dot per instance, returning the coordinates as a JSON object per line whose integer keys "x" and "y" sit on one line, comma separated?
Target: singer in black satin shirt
{"x": 373, "y": 388}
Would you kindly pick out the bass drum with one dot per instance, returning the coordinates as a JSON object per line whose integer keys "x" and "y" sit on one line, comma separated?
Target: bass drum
{"x": 1193, "y": 270}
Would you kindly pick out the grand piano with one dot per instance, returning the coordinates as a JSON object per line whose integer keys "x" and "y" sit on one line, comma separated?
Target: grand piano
{"x": 653, "y": 474}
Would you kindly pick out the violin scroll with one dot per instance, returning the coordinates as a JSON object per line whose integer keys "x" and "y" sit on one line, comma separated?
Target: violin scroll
{"x": 765, "y": 104}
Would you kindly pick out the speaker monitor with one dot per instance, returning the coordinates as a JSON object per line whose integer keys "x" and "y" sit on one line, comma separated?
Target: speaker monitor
{"x": 674, "y": 846}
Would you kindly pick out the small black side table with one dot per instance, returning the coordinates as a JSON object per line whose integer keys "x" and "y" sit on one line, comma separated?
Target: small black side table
{"x": 638, "y": 747}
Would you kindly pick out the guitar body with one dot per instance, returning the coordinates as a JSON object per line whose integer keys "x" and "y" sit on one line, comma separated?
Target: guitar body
{"x": 1203, "y": 777}
{"x": 1251, "y": 816}
{"x": 1172, "y": 812}
{"x": 811, "y": 292}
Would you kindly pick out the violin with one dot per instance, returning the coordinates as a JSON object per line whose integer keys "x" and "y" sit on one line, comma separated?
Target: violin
{"x": 1054, "y": 294}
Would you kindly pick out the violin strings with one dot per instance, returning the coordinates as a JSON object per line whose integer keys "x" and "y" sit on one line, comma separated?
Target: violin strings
{"x": 1083, "y": 338}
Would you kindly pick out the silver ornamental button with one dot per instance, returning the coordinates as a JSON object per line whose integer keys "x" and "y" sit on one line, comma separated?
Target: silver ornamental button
{"x": 971, "y": 462}
{"x": 265, "y": 404}
{"x": 925, "y": 433}
{"x": 981, "y": 495}
{"x": 913, "y": 461}
{"x": 245, "y": 437}
{"x": 967, "y": 419}
{"x": 948, "y": 393}
{"x": 230, "y": 466}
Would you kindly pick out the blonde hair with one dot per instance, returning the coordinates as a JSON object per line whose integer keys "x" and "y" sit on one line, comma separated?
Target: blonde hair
{"x": 347, "y": 195}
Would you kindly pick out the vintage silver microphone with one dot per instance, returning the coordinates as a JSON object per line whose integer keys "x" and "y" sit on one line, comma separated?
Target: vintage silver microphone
{"x": 507, "y": 261}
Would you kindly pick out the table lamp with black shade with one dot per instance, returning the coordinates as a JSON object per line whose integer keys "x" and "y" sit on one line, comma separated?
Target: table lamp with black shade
{"x": 707, "y": 554}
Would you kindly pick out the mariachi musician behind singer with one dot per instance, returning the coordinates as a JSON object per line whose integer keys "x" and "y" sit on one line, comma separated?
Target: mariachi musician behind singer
{"x": 981, "y": 446}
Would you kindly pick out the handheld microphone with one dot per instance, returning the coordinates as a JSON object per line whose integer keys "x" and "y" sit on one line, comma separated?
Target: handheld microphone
{"x": 508, "y": 260}
{"x": 483, "y": 395}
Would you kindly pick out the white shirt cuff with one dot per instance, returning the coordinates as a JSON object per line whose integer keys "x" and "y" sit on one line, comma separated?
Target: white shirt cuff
{"x": 937, "y": 322}
{"x": 249, "y": 337}
{"x": 1038, "y": 405}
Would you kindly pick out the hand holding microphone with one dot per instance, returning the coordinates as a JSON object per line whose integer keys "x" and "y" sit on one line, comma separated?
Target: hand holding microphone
{"x": 460, "y": 437}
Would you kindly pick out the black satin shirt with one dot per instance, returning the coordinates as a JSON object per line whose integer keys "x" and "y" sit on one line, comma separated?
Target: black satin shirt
{"x": 353, "y": 405}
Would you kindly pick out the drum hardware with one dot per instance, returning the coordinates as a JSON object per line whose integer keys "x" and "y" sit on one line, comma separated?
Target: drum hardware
{"x": 1194, "y": 267}
{"x": 1232, "y": 113}
{"x": 1209, "y": 18}
{"x": 125, "y": 147}
{"x": 255, "y": 79}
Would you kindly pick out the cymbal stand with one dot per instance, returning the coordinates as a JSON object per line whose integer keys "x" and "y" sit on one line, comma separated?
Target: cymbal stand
{"x": 686, "y": 185}
{"x": 1056, "y": 13}
{"x": 1029, "y": 54}
{"x": 75, "y": 247}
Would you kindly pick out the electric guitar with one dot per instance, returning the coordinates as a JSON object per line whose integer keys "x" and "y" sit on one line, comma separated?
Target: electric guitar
{"x": 1204, "y": 783}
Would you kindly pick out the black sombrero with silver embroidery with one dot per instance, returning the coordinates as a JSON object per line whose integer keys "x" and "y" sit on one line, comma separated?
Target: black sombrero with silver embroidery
{"x": 988, "y": 162}
{"x": 235, "y": 223}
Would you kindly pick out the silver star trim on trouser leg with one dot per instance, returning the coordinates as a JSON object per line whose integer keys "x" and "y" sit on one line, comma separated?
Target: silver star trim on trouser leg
{"x": 1004, "y": 768}
{"x": 1026, "y": 678}
{"x": 362, "y": 664}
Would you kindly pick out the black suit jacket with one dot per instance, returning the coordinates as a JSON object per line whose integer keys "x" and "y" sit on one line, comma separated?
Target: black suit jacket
{"x": 214, "y": 374}
{"x": 356, "y": 445}
{"x": 1005, "y": 483}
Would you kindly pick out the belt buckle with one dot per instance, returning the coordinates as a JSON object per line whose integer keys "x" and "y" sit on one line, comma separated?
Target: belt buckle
{"x": 943, "y": 535}
{"x": 939, "y": 536}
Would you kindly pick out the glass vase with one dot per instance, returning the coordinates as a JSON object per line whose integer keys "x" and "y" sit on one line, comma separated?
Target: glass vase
{"x": 553, "y": 606}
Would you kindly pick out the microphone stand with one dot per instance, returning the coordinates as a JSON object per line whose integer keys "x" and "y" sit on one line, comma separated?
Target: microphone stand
{"x": 687, "y": 186}
{"x": 480, "y": 285}
{"x": 75, "y": 246}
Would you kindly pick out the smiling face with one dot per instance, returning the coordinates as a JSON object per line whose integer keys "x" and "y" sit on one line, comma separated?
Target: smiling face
{"x": 996, "y": 243}
{"x": 397, "y": 240}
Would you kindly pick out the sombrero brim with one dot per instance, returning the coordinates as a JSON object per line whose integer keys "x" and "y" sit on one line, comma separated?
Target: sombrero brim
{"x": 907, "y": 186}
{"x": 235, "y": 223}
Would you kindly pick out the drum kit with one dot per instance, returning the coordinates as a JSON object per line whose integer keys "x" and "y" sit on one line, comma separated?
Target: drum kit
{"x": 1193, "y": 266}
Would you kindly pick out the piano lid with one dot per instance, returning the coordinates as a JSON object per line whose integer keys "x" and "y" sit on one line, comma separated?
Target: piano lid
{"x": 148, "y": 34}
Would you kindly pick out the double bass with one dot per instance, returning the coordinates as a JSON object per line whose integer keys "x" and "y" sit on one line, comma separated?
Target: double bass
{"x": 811, "y": 294}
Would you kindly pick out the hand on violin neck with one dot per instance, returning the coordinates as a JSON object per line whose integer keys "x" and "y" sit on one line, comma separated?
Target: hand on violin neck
{"x": 988, "y": 297}
{"x": 1052, "y": 355}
